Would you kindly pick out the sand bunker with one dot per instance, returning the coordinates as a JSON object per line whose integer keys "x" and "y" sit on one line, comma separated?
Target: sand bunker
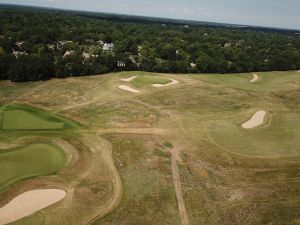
{"x": 126, "y": 88}
{"x": 163, "y": 85}
{"x": 255, "y": 78}
{"x": 256, "y": 120}
{"x": 29, "y": 203}
{"x": 129, "y": 79}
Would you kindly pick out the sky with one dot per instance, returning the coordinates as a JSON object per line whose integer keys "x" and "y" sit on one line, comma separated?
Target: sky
{"x": 270, "y": 13}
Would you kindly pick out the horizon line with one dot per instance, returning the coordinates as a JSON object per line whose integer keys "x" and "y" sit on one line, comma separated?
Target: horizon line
{"x": 157, "y": 17}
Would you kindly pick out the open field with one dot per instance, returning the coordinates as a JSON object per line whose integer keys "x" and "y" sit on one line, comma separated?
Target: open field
{"x": 171, "y": 155}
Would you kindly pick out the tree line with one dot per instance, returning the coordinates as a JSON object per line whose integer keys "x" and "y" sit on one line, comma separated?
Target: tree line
{"x": 30, "y": 49}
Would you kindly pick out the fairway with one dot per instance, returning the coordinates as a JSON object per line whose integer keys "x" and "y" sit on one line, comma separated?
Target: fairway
{"x": 23, "y": 120}
{"x": 279, "y": 137}
{"x": 32, "y": 160}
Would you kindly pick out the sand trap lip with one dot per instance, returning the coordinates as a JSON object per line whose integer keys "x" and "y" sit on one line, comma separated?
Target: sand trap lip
{"x": 126, "y": 88}
{"x": 28, "y": 203}
{"x": 163, "y": 85}
{"x": 256, "y": 120}
{"x": 129, "y": 79}
{"x": 255, "y": 78}
{"x": 294, "y": 85}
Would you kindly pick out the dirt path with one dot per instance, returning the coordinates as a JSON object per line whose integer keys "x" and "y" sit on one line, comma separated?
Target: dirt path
{"x": 178, "y": 190}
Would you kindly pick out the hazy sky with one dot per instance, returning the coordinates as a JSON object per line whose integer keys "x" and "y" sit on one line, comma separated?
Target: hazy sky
{"x": 276, "y": 13}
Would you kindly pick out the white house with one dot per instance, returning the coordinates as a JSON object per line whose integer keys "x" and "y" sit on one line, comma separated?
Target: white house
{"x": 108, "y": 47}
{"x": 19, "y": 53}
{"x": 67, "y": 53}
{"x": 193, "y": 65}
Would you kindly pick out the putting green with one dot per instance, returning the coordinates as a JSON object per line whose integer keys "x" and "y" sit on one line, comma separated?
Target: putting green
{"x": 23, "y": 120}
{"x": 23, "y": 117}
{"x": 32, "y": 160}
{"x": 141, "y": 81}
{"x": 279, "y": 137}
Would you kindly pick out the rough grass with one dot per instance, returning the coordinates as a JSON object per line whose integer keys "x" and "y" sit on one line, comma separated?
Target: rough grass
{"x": 36, "y": 219}
{"x": 148, "y": 190}
{"x": 142, "y": 81}
{"x": 32, "y": 160}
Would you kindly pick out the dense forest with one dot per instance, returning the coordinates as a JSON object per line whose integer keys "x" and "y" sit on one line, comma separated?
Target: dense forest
{"x": 38, "y": 44}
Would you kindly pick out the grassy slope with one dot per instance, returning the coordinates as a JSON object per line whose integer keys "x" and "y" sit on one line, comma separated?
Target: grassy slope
{"x": 148, "y": 194}
{"x": 29, "y": 161}
{"x": 223, "y": 181}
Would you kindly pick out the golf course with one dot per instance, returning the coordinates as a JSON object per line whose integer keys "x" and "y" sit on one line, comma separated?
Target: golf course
{"x": 151, "y": 148}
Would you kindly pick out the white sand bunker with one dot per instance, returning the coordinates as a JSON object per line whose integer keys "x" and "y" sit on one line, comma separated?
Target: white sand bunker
{"x": 255, "y": 78}
{"x": 163, "y": 85}
{"x": 129, "y": 79}
{"x": 256, "y": 120}
{"x": 126, "y": 88}
{"x": 29, "y": 203}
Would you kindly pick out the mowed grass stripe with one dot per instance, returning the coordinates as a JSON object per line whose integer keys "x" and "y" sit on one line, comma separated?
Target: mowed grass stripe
{"x": 24, "y": 120}
{"x": 32, "y": 160}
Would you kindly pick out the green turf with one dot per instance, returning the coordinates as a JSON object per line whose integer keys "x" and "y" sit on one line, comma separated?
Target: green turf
{"x": 29, "y": 161}
{"x": 23, "y": 117}
{"x": 269, "y": 81}
{"x": 22, "y": 120}
{"x": 142, "y": 81}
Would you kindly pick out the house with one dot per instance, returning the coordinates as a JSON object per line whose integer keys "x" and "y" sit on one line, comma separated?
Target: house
{"x": 193, "y": 65}
{"x": 51, "y": 47}
{"x": 186, "y": 26}
{"x": 86, "y": 55}
{"x": 60, "y": 44}
{"x": 19, "y": 44}
{"x": 101, "y": 42}
{"x": 121, "y": 64}
{"x": 19, "y": 53}
{"x": 68, "y": 53}
{"x": 108, "y": 47}
{"x": 227, "y": 45}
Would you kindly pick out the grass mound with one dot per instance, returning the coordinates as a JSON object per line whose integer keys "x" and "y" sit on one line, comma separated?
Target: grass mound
{"x": 32, "y": 160}
{"x": 20, "y": 117}
{"x": 149, "y": 80}
{"x": 280, "y": 137}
